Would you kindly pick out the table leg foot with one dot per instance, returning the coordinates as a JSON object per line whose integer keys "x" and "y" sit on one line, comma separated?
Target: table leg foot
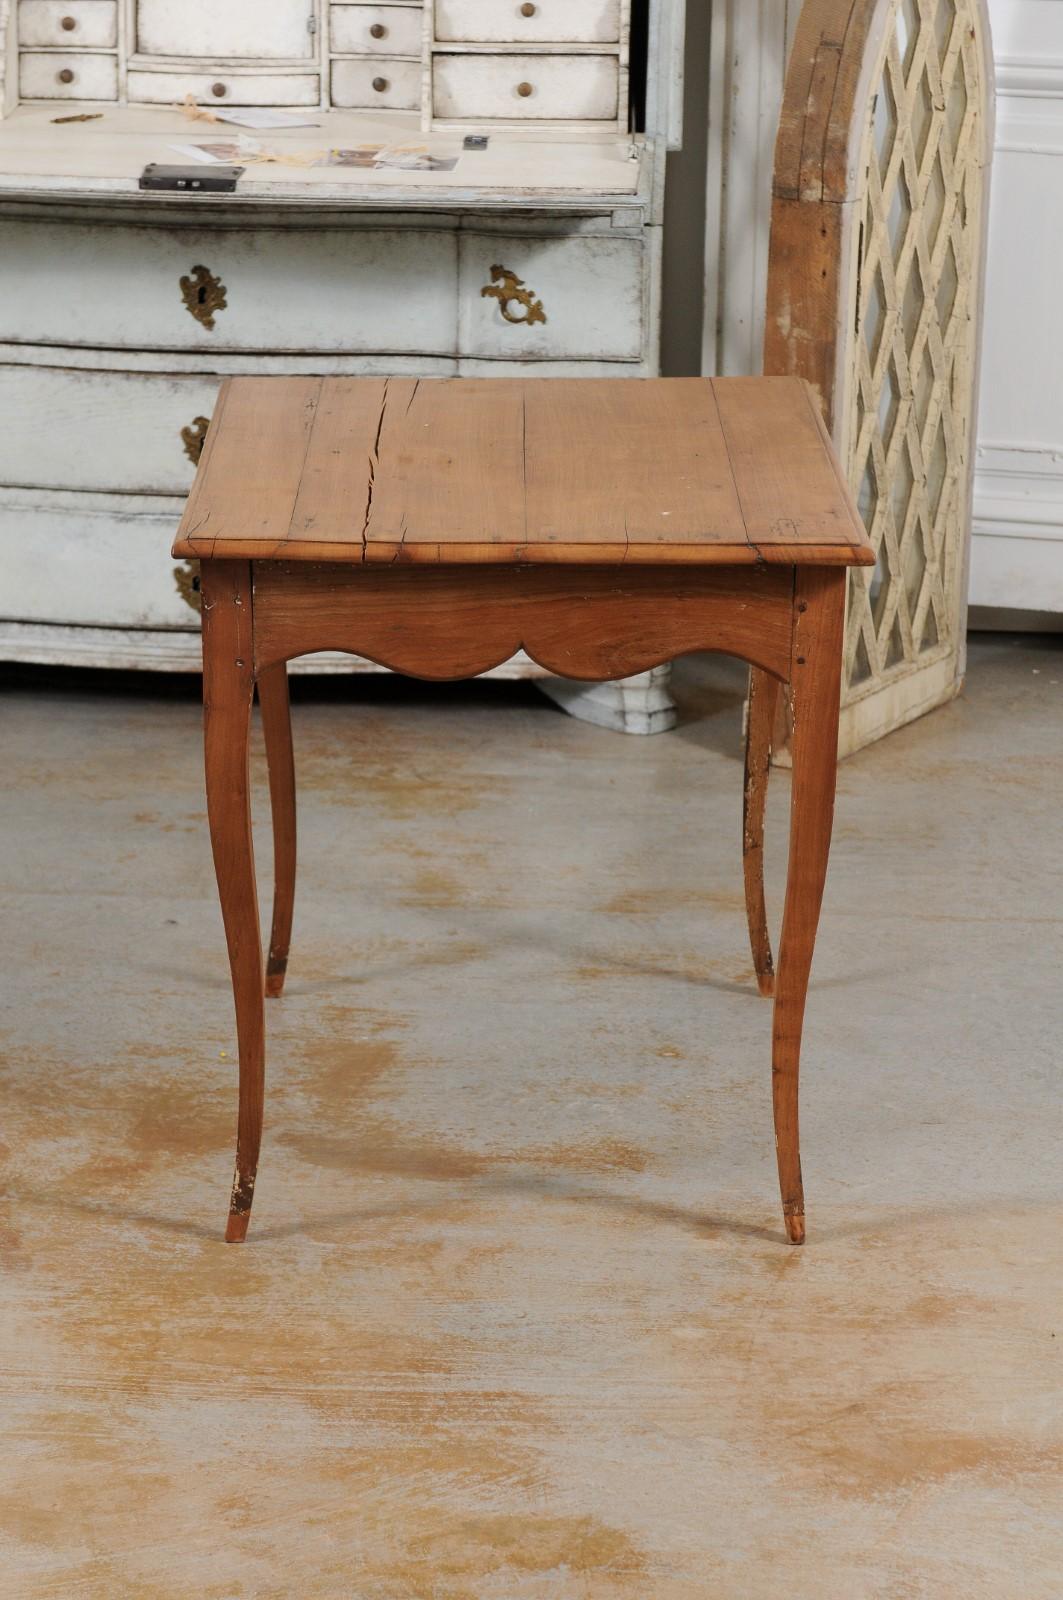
{"x": 795, "y": 1227}
{"x": 276, "y": 972}
{"x": 240, "y": 1208}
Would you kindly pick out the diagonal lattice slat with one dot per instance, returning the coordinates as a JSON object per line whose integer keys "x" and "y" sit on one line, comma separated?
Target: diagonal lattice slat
{"x": 914, "y": 345}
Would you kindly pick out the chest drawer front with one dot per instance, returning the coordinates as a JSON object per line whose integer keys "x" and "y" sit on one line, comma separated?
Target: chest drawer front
{"x": 376, "y": 30}
{"x": 220, "y": 88}
{"x": 67, "y": 76}
{"x": 225, "y": 30}
{"x": 329, "y": 290}
{"x": 102, "y": 432}
{"x": 72, "y": 23}
{"x": 536, "y": 21}
{"x": 379, "y": 81}
{"x": 529, "y": 88}
{"x": 574, "y": 299}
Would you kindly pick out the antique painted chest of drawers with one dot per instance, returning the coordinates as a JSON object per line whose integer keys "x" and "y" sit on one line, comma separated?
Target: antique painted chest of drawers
{"x": 121, "y": 309}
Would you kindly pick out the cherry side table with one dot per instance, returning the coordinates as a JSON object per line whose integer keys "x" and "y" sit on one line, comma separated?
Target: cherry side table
{"x": 438, "y": 526}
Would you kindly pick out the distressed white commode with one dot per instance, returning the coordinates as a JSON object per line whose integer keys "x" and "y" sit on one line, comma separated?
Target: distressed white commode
{"x": 121, "y": 309}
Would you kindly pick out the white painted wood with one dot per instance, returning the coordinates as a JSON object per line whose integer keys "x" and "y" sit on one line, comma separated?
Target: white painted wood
{"x": 8, "y": 57}
{"x": 332, "y": 289}
{"x": 551, "y": 21}
{"x": 240, "y": 88}
{"x": 750, "y": 47}
{"x": 673, "y": 69}
{"x": 100, "y": 560}
{"x": 383, "y": 83}
{"x": 351, "y": 29}
{"x": 564, "y": 175}
{"x": 43, "y": 76}
{"x": 41, "y": 22}
{"x": 642, "y": 704}
{"x": 590, "y": 290}
{"x": 472, "y": 88}
{"x": 1017, "y": 547}
{"x": 220, "y": 30}
{"x": 100, "y": 431}
{"x": 179, "y": 650}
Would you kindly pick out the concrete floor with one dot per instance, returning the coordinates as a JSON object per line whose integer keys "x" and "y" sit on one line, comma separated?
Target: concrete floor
{"x": 515, "y": 1320}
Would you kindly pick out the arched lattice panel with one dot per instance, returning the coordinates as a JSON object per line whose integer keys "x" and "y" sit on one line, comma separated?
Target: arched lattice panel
{"x": 874, "y": 295}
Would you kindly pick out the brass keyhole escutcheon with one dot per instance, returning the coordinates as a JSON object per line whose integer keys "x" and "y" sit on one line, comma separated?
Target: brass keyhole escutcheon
{"x": 193, "y": 438}
{"x": 509, "y": 290}
{"x": 186, "y": 578}
{"x": 203, "y": 295}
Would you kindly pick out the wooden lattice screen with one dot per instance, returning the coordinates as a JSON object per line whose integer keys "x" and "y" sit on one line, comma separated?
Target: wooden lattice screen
{"x": 874, "y": 293}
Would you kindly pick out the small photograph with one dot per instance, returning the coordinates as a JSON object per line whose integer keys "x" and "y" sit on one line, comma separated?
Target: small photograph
{"x": 227, "y": 151}
{"x": 364, "y": 155}
{"x": 411, "y": 158}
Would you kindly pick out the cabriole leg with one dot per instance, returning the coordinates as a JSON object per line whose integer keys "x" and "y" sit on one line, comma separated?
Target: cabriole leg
{"x": 228, "y": 688}
{"x": 819, "y": 601}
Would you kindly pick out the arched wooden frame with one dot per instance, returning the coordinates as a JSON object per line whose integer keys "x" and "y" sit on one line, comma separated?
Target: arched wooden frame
{"x": 875, "y": 279}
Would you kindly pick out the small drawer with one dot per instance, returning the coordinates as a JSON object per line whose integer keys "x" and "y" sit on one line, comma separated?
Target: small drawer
{"x": 380, "y": 81}
{"x": 60, "y": 76}
{"x": 550, "y": 299}
{"x": 70, "y": 23}
{"x": 376, "y": 30}
{"x": 533, "y": 21}
{"x": 529, "y": 88}
{"x": 219, "y": 88}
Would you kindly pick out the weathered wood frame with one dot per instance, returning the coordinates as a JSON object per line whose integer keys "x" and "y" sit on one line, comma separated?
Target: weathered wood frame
{"x": 828, "y": 243}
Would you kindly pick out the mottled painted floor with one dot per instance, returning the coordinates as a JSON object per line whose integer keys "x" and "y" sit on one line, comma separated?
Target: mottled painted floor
{"x": 515, "y": 1320}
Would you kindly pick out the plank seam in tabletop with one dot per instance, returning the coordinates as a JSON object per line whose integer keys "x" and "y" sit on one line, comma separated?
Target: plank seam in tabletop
{"x": 757, "y": 553}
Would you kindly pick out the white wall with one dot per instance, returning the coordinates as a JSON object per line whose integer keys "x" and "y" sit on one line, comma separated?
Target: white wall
{"x": 1017, "y": 549}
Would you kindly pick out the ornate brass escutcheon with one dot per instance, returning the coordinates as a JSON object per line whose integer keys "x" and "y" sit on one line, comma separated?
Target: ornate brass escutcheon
{"x": 193, "y": 436}
{"x": 509, "y": 290}
{"x": 203, "y": 295}
{"x": 186, "y": 577}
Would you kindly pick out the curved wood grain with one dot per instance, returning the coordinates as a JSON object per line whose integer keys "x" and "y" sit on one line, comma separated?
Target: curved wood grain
{"x": 761, "y": 711}
{"x": 277, "y": 730}
{"x": 583, "y": 623}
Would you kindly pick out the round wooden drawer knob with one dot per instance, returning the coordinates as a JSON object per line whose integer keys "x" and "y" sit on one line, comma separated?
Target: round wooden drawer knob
{"x": 66, "y": 76}
{"x": 68, "y": 24}
{"x": 378, "y": 31}
{"x": 524, "y": 90}
{"x": 381, "y": 85}
{"x": 527, "y": 9}
{"x": 218, "y": 90}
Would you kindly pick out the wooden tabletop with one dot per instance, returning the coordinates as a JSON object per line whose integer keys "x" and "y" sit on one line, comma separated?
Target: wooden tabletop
{"x": 588, "y": 470}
